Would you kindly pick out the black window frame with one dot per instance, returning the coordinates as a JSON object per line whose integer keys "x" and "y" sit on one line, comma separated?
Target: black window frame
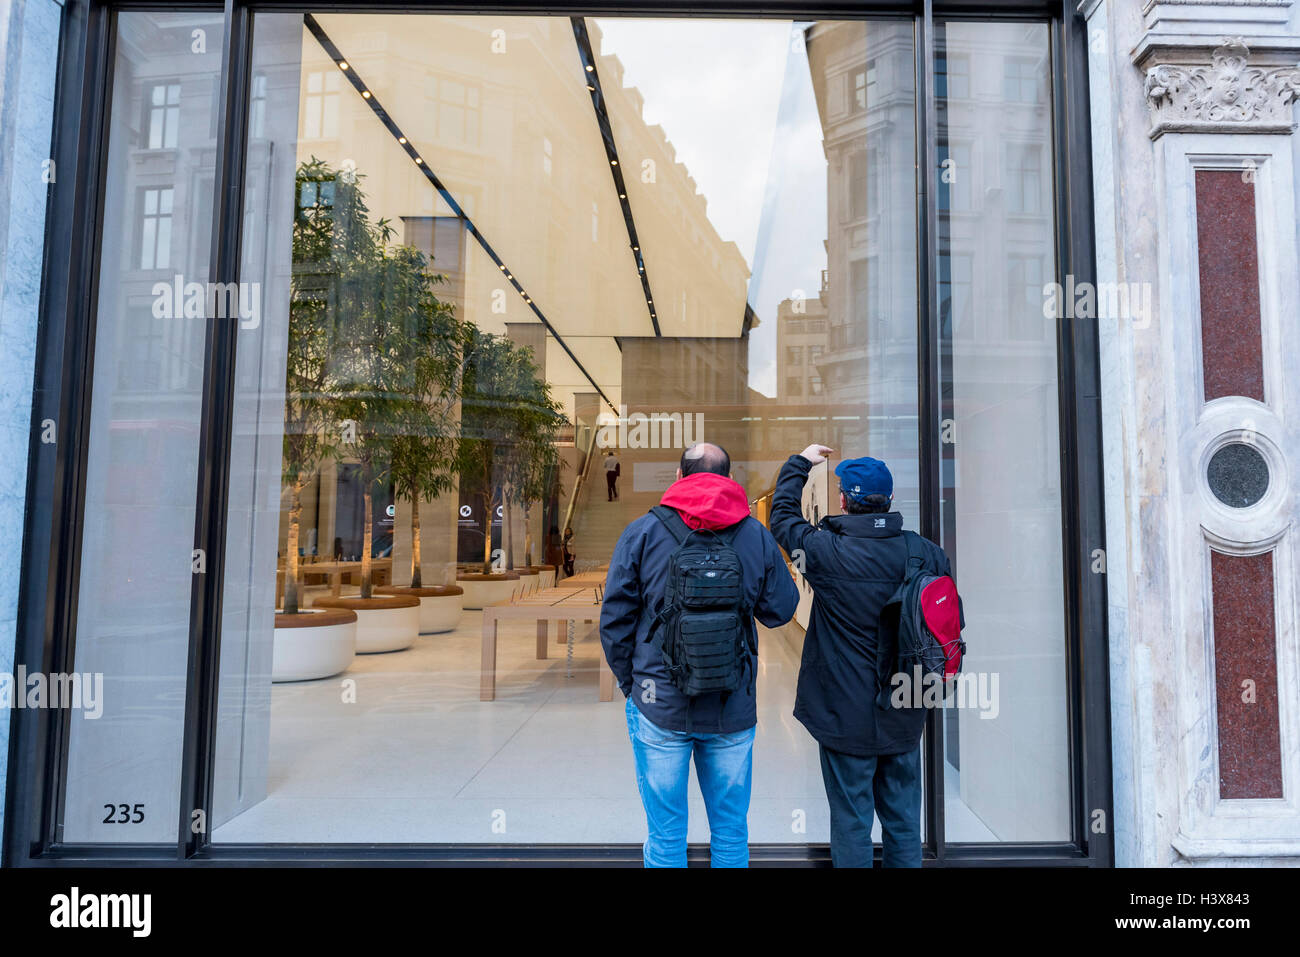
{"x": 56, "y": 472}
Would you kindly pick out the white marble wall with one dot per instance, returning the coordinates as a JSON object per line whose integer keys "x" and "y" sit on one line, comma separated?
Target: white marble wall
{"x": 1156, "y": 429}
{"x": 29, "y": 42}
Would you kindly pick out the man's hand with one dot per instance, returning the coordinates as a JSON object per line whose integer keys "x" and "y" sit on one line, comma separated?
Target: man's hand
{"x": 817, "y": 453}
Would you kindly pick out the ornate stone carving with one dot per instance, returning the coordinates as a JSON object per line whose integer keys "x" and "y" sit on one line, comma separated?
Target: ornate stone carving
{"x": 1227, "y": 96}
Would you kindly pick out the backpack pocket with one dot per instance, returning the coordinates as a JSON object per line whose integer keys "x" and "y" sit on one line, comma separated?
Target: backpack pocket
{"x": 711, "y": 646}
{"x": 710, "y": 585}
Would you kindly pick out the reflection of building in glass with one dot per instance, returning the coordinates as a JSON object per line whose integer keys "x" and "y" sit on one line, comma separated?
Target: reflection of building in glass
{"x": 864, "y": 84}
{"x": 801, "y": 335}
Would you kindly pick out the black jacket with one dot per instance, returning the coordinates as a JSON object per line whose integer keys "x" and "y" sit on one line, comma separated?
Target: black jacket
{"x": 854, "y": 563}
{"x": 634, "y": 590}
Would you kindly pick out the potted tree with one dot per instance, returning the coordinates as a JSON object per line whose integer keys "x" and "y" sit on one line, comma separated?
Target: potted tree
{"x": 531, "y": 462}
{"x": 504, "y": 405}
{"x": 320, "y": 642}
{"x": 390, "y": 335}
{"x": 423, "y": 460}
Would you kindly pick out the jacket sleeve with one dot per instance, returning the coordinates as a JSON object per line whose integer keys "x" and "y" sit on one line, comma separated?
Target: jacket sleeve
{"x": 802, "y": 541}
{"x": 620, "y": 612}
{"x": 779, "y": 597}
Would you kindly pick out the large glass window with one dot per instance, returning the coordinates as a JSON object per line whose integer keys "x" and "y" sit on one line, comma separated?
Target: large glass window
{"x": 137, "y": 567}
{"x": 470, "y": 294}
{"x": 1006, "y": 749}
{"x": 479, "y": 254}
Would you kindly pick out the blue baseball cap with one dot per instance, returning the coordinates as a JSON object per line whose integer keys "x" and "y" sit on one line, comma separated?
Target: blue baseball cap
{"x": 865, "y": 476}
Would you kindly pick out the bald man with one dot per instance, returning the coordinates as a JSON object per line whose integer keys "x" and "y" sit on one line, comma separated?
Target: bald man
{"x": 704, "y": 508}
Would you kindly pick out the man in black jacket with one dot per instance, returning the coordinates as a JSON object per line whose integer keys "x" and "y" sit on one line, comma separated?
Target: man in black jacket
{"x": 855, "y": 561}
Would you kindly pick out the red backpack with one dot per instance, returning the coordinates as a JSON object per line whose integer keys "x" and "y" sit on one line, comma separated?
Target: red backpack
{"x": 925, "y": 617}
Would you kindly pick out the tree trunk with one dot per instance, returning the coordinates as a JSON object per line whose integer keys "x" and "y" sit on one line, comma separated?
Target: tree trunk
{"x": 507, "y": 528}
{"x": 487, "y": 532}
{"x": 291, "y": 549}
{"x": 528, "y": 537}
{"x": 367, "y": 537}
{"x": 415, "y": 537}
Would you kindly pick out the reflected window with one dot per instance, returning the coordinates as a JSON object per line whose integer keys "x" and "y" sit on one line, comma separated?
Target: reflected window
{"x": 1025, "y": 297}
{"x": 164, "y": 115}
{"x": 321, "y": 107}
{"x": 156, "y": 228}
{"x": 1024, "y": 185}
{"x": 952, "y": 76}
{"x": 1022, "y": 80}
{"x": 257, "y": 107}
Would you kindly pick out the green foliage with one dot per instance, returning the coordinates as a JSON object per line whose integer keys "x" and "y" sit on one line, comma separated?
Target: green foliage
{"x": 509, "y": 422}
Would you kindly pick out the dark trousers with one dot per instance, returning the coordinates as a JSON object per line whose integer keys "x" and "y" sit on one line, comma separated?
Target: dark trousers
{"x": 611, "y": 481}
{"x": 888, "y": 785}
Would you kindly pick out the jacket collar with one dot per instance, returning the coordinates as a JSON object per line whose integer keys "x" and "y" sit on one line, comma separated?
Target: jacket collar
{"x": 880, "y": 525}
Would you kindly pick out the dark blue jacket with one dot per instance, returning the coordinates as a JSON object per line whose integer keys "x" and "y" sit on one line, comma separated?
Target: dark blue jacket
{"x": 635, "y": 586}
{"x": 854, "y": 564}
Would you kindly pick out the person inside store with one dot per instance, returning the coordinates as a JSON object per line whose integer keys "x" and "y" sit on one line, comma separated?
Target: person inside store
{"x": 567, "y": 547}
{"x": 685, "y": 657}
{"x": 870, "y": 756}
{"x": 554, "y": 555}
{"x": 612, "y": 470}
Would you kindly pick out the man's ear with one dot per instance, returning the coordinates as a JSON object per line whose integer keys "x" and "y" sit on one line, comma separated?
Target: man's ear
{"x": 844, "y": 503}
{"x": 679, "y": 473}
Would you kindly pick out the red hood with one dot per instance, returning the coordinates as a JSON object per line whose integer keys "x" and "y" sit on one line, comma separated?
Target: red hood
{"x": 706, "y": 500}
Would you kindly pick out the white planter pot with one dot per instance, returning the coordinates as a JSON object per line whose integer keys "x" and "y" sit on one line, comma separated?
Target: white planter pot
{"x": 483, "y": 590}
{"x": 384, "y": 623}
{"x": 440, "y": 605}
{"x": 304, "y": 652}
{"x": 439, "y": 613}
{"x": 546, "y": 578}
{"x": 528, "y": 582}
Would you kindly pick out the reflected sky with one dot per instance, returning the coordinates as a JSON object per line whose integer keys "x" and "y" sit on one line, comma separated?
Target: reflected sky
{"x": 736, "y": 100}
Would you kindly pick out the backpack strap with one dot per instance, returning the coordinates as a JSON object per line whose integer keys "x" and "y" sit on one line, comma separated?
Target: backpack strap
{"x": 915, "y": 554}
{"x": 680, "y": 531}
{"x": 672, "y": 521}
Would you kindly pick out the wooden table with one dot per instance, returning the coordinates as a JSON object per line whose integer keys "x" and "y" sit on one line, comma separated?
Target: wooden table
{"x": 564, "y": 604}
{"x": 381, "y": 571}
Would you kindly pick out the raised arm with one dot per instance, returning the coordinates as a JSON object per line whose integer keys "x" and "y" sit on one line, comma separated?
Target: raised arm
{"x": 792, "y": 531}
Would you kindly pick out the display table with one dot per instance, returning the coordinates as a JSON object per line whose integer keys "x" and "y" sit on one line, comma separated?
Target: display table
{"x": 381, "y": 570}
{"x": 563, "y": 605}
{"x": 545, "y": 575}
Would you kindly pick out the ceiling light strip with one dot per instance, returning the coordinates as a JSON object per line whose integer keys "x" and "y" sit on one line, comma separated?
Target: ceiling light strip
{"x": 349, "y": 70}
{"x": 591, "y": 77}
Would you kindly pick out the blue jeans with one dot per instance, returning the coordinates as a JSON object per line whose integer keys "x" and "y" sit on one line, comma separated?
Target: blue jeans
{"x": 724, "y": 766}
{"x": 889, "y": 785}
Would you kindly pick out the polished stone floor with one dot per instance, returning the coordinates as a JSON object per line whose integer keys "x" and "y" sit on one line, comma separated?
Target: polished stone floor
{"x": 417, "y": 757}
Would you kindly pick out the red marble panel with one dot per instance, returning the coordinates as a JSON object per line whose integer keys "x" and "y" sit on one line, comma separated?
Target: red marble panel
{"x": 1231, "y": 342}
{"x": 1245, "y": 648}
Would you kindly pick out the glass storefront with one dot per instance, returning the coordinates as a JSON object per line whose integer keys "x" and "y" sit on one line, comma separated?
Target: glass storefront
{"x": 481, "y": 259}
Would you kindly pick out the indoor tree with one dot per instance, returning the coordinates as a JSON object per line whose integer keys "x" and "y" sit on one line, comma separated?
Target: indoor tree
{"x": 393, "y": 343}
{"x": 508, "y": 427}
{"x": 424, "y": 460}
{"x": 308, "y": 411}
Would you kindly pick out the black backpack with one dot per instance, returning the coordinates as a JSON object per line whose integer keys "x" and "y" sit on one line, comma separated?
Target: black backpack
{"x": 924, "y": 618}
{"x": 702, "y": 628}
